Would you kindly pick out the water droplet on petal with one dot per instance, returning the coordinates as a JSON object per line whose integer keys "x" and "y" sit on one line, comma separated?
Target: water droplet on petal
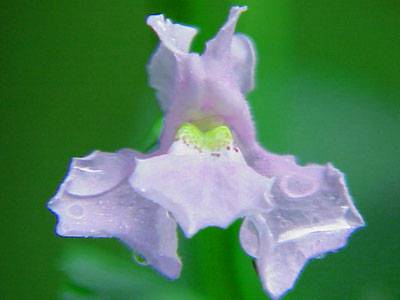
{"x": 297, "y": 186}
{"x": 140, "y": 260}
{"x": 76, "y": 211}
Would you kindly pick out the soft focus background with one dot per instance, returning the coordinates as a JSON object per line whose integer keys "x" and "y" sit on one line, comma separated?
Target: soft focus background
{"x": 73, "y": 79}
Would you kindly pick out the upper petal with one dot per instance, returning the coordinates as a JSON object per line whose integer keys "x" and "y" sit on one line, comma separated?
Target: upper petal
{"x": 244, "y": 61}
{"x": 220, "y": 45}
{"x": 177, "y": 38}
{"x": 313, "y": 214}
{"x": 165, "y": 69}
{"x": 202, "y": 188}
{"x": 193, "y": 88}
{"x": 115, "y": 212}
{"x": 234, "y": 51}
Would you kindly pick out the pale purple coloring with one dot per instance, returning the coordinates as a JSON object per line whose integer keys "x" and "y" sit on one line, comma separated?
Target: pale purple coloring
{"x": 202, "y": 178}
{"x": 95, "y": 200}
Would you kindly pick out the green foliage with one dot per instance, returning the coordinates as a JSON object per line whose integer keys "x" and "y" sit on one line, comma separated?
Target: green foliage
{"x": 73, "y": 79}
{"x": 97, "y": 274}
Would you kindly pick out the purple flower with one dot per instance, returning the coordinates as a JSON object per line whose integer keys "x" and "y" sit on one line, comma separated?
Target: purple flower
{"x": 208, "y": 170}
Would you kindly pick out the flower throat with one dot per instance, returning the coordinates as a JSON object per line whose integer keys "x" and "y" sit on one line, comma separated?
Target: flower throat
{"x": 214, "y": 139}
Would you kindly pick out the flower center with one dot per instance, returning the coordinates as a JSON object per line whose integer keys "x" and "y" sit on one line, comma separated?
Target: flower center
{"x": 213, "y": 140}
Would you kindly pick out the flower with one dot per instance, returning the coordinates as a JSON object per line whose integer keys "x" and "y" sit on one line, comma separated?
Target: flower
{"x": 208, "y": 170}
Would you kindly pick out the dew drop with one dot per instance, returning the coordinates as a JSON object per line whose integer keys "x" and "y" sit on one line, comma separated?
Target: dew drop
{"x": 140, "y": 260}
{"x": 296, "y": 186}
{"x": 75, "y": 211}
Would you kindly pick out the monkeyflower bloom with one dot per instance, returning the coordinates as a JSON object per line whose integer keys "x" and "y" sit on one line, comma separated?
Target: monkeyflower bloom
{"x": 208, "y": 170}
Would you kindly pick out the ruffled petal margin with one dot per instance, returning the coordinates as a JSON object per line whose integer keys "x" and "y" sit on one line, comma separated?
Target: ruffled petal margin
{"x": 96, "y": 200}
{"x": 165, "y": 67}
{"x": 202, "y": 189}
{"x": 313, "y": 214}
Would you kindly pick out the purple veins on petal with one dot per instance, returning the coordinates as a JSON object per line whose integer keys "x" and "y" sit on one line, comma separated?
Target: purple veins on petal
{"x": 313, "y": 214}
{"x": 96, "y": 200}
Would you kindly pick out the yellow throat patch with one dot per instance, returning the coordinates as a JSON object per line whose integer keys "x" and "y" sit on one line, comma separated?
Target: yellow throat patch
{"x": 212, "y": 140}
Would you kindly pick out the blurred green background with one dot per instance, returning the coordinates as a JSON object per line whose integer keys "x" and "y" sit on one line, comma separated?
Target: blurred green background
{"x": 73, "y": 79}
